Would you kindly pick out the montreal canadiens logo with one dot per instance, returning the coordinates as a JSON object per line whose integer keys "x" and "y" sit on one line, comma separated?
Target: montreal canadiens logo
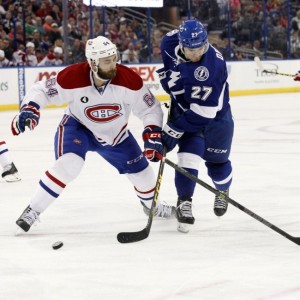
{"x": 103, "y": 113}
{"x": 201, "y": 74}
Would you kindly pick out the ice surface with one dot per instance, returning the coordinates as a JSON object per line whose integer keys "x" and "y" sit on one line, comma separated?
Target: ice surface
{"x": 234, "y": 257}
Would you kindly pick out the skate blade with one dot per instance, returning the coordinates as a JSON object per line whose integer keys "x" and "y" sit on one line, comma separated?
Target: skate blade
{"x": 183, "y": 227}
{"x": 19, "y": 231}
{"x": 12, "y": 178}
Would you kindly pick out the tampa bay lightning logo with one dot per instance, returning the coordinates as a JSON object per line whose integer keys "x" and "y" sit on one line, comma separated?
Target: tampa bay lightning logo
{"x": 201, "y": 73}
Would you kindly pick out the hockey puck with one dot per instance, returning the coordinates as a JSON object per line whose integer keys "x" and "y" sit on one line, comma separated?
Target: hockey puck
{"x": 57, "y": 245}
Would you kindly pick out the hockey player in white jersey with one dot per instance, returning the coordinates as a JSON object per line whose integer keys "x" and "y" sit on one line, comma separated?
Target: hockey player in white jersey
{"x": 10, "y": 172}
{"x": 100, "y": 94}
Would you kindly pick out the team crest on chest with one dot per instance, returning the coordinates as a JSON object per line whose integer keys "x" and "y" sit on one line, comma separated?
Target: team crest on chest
{"x": 103, "y": 113}
{"x": 201, "y": 73}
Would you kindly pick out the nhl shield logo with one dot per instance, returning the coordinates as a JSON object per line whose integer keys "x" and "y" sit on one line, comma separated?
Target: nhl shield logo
{"x": 201, "y": 73}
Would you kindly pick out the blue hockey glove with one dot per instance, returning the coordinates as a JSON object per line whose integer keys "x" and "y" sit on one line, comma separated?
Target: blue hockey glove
{"x": 162, "y": 74}
{"x": 29, "y": 116}
{"x": 170, "y": 136}
{"x": 152, "y": 143}
{"x": 297, "y": 76}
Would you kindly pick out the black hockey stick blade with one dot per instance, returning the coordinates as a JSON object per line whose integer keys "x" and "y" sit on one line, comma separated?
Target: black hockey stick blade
{"x": 131, "y": 237}
{"x": 136, "y": 236}
{"x": 295, "y": 240}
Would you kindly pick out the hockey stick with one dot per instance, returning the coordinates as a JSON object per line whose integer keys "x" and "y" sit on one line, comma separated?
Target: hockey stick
{"x": 261, "y": 68}
{"x": 296, "y": 240}
{"x": 136, "y": 236}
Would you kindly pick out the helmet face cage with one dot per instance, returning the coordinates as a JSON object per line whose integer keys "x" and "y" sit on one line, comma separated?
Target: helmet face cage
{"x": 99, "y": 47}
{"x": 192, "y": 34}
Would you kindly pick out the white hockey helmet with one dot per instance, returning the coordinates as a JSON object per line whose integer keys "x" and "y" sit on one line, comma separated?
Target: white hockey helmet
{"x": 97, "y": 48}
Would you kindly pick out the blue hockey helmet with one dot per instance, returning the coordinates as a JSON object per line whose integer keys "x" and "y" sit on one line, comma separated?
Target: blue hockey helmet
{"x": 192, "y": 34}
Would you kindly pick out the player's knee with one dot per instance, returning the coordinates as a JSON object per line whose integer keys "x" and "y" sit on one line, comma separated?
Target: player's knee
{"x": 67, "y": 167}
{"x": 143, "y": 180}
{"x": 188, "y": 160}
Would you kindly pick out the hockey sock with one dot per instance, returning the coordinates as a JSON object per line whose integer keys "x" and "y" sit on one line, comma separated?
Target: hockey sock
{"x": 65, "y": 169}
{"x": 5, "y": 158}
{"x": 144, "y": 185}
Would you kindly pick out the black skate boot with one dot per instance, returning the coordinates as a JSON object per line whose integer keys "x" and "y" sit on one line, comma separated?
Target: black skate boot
{"x": 184, "y": 214}
{"x": 221, "y": 204}
{"x": 28, "y": 217}
{"x": 10, "y": 173}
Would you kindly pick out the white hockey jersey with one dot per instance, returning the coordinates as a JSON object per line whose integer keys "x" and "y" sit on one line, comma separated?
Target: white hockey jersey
{"x": 104, "y": 111}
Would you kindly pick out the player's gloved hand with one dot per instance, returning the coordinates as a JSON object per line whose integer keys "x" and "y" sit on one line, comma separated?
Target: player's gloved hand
{"x": 170, "y": 136}
{"x": 297, "y": 77}
{"x": 152, "y": 143}
{"x": 29, "y": 116}
{"x": 162, "y": 74}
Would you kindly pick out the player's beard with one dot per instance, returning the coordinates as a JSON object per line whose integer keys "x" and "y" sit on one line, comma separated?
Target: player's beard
{"x": 107, "y": 75}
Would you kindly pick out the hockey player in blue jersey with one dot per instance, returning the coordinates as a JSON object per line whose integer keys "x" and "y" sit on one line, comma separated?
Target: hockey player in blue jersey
{"x": 201, "y": 123}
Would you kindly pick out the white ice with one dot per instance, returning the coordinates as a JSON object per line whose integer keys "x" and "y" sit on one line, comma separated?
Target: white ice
{"x": 234, "y": 257}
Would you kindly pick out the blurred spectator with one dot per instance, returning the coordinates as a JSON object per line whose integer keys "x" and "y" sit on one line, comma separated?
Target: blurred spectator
{"x": 257, "y": 48}
{"x": 131, "y": 58}
{"x": 45, "y": 44}
{"x": 156, "y": 55}
{"x": 18, "y": 57}
{"x": 53, "y": 59}
{"x": 130, "y": 55}
{"x": 132, "y": 36}
{"x": 77, "y": 52}
{"x": 30, "y": 57}
{"x": 296, "y": 22}
{"x": 29, "y": 27}
{"x": 56, "y": 14}
{"x": 8, "y": 49}
{"x": 54, "y": 33}
{"x": 59, "y": 43}
{"x": 2, "y": 10}
{"x": 3, "y": 34}
{"x": 39, "y": 55}
{"x": 24, "y": 56}
{"x": 44, "y": 10}
{"x": 47, "y": 24}
{"x": 75, "y": 32}
{"x": 36, "y": 38}
{"x": 113, "y": 33}
{"x": 7, "y": 22}
{"x": 4, "y": 62}
{"x": 39, "y": 25}
{"x": 16, "y": 34}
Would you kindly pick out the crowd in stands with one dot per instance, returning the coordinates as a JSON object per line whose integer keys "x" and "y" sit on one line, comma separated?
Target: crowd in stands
{"x": 32, "y": 31}
{"x": 256, "y": 27}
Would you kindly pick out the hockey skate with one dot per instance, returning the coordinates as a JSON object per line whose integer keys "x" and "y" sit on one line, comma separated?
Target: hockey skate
{"x": 162, "y": 210}
{"x": 10, "y": 173}
{"x": 221, "y": 204}
{"x": 28, "y": 218}
{"x": 184, "y": 214}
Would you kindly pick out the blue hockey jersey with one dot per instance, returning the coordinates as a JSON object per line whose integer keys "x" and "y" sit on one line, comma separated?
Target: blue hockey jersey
{"x": 199, "y": 90}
